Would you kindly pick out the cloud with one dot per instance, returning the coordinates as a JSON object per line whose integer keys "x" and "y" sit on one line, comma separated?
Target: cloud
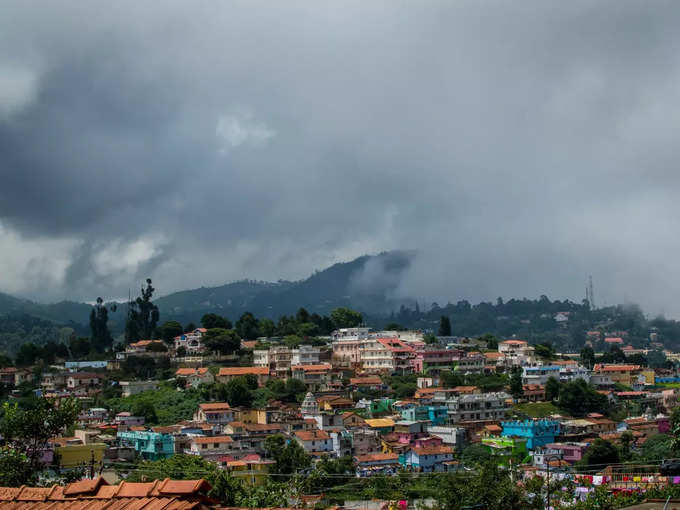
{"x": 239, "y": 129}
{"x": 518, "y": 147}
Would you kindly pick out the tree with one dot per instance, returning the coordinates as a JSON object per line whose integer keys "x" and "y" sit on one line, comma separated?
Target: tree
{"x": 444, "y": 326}
{"x": 238, "y": 392}
{"x": 545, "y": 350}
{"x": 27, "y": 354}
{"x": 169, "y": 330}
{"x": 79, "y": 347}
{"x": 290, "y": 457}
{"x": 226, "y": 488}
{"x": 346, "y": 318}
{"x": 146, "y": 409}
{"x": 292, "y": 341}
{"x": 247, "y": 326}
{"x": 516, "y": 386}
{"x": 212, "y": 320}
{"x": 189, "y": 327}
{"x": 100, "y": 336}
{"x": 552, "y": 389}
{"x": 393, "y": 326}
{"x": 27, "y": 431}
{"x": 224, "y": 341}
{"x": 491, "y": 341}
{"x": 430, "y": 339}
{"x": 588, "y": 357}
{"x": 475, "y": 454}
{"x": 143, "y": 315}
{"x": 579, "y": 398}
{"x": 267, "y": 327}
{"x": 601, "y": 453}
{"x": 656, "y": 359}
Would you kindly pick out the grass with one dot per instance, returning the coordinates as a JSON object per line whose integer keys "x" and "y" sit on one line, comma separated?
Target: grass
{"x": 536, "y": 409}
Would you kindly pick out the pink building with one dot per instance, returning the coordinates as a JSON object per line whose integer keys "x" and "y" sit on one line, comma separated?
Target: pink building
{"x": 435, "y": 359}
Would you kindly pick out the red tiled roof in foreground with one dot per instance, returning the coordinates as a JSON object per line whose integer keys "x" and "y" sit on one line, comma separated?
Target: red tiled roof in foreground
{"x": 97, "y": 494}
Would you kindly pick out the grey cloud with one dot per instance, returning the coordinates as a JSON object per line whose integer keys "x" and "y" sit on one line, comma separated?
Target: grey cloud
{"x": 518, "y": 146}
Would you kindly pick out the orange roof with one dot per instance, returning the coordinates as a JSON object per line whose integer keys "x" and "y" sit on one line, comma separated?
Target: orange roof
{"x": 312, "y": 435}
{"x": 374, "y": 457}
{"x": 493, "y": 355}
{"x": 514, "y": 342}
{"x": 374, "y": 379}
{"x": 433, "y": 450}
{"x": 311, "y": 368}
{"x": 601, "y": 367}
{"x": 185, "y": 371}
{"x": 97, "y": 494}
{"x": 493, "y": 428}
{"x": 213, "y": 439}
{"x": 243, "y": 371}
{"x": 613, "y": 340}
{"x": 214, "y": 406}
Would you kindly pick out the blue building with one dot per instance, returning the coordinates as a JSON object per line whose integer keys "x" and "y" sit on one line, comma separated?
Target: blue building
{"x": 437, "y": 415}
{"x": 148, "y": 445}
{"x": 537, "y": 432}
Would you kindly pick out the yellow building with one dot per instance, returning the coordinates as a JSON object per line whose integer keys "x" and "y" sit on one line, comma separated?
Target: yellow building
{"x": 619, "y": 373}
{"x": 71, "y": 452}
{"x": 251, "y": 468}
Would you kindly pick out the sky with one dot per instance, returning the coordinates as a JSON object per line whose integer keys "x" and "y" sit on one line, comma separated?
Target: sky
{"x": 517, "y": 146}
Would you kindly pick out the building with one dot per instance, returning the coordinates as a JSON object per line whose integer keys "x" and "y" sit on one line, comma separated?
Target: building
{"x": 428, "y": 459}
{"x": 194, "y": 377}
{"x": 126, "y": 419}
{"x": 376, "y": 464}
{"x": 277, "y": 359}
{"x": 619, "y": 373}
{"x": 450, "y": 436}
{"x": 135, "y": 387}
{"x": 537, "y": 432}
{"x": 226, "y": 374}
{"x": 516, "y": 353}
{"x": 317, "y": 377}
{"x": 314, "y": 441}
{"x": 478, "y": 407}
{"x": 77, "y": 380}
{"x": 386, "y": 355}
{"x": 146, "y": 347}
{"x": 569, "y": 452}
{"x": 192, "y": 342}
{"x": 148, "y": 445}
{"x": 507, "y": 448}
{"x": 435, "y": 414}
{"x": 540, "y": 374}
{"x": 71, "y": 452}
{"x": 214, "y": 413}
{"x": 433, "y": 359}
{"x": 305, "y": 355}
{"x": 212, "y": 447}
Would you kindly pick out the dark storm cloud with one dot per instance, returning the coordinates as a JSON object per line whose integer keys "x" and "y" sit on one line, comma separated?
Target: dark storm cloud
{"x": 519, "y": 146}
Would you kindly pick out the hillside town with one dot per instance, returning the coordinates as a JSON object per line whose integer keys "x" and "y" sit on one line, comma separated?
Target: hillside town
{"x": 387, "y": 402}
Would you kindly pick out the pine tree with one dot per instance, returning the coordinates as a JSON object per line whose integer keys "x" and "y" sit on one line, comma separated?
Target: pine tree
{"x": 444, "y": 326}
{"x": 143, "y": 315}
{"x": 100, "y": 335}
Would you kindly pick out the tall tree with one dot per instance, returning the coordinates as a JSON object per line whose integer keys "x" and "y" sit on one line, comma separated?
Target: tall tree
{"x": 212, "y": 320}
{"x": 247, "y": 326}
{"x": 169, "y": 330}
{"x": 516, "y": 387}
{"x": 346, "y": 318}
{"x": 143, "y": 315}
{"x": 552, "y": 389}
{"x": 100, "y": 337}
{"x": 27, "y": 431}
{"x": 444, "y": 326}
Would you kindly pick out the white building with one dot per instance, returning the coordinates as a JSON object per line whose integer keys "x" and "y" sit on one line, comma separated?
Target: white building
{"x": 305, "y": 355}
{"x": 191, "y": 341}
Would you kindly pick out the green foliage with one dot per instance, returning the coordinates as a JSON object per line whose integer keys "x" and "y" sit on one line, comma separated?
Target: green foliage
{"x": 79, "y": 347}
{"x": 444, "y": 326}
{"x": 545, "y": 350}
{"x": 212, "y": 320}
{"x": 601, "y": 453}
{"x": 146, "y": 409}
{"x": 552, "y": 389}
{"x": 100, "y": 336}
{"x": 656, "y": 447}
{"x": 430, "y": 339}
{"x": 27, "y": 431}
{"x": 267, "y": 327}
{"x": 143, "y": 315}
{"x": 588, "y": 357}
{"x": 247, "y": 326}
{"x": 393, "y": 326}
{"x": 292, "y": 341}
{"x": 290, "y": 457}
{"x": 579, "y": 398}
{"x": 169, "y": 330}
{"x": 170, "y": 405}
{"x": 536, "y": 409}
{"x": 224, "y": 341}
{"x": 475, "y": 454}
{"x": 227, "y": 489}
{"x": 491, "y": 341}
{"x": 346, "y": 318}
{"x": 239, "y": 391}
{"x": 516, "y": 387}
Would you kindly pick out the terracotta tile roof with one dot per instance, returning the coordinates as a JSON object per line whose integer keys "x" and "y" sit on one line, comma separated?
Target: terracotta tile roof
{"x": 185, "y": 371}
{"x": 312, "y": 368}
{"x": 243, "y": 371}
{"x": 312, "y": 435}
{"x": 212, "y": 439}
{"x": 613, "y": 340}
{"x": 370, "y": 380}
{"x": 97, "y": 494}
{"x": 215, "y": 406}
{"x": 376, "y": 457}
{"x": 514, "y": 342}
{"x": 434, "y": 450}
{"x": 601, "y": 367}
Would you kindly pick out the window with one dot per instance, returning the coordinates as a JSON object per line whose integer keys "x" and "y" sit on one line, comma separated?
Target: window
{"x": 204, "y": 446}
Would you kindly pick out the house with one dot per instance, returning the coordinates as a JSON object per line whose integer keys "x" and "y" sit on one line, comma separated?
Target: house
{"x": 126, "y": 419}
{"x": 195, "y": 376}
{"x": 569, "y": 452}
{"x": 376, "y": 463}
{"x": 625, "y": 374}
{"x": 333, "y": 403}
{"x": 77, "y": 380}
{"x": 435, "y": 414}
{"x": 148, "y": 445}
{"x": 135, "y": 387}
{"x": 316, "y": 377}
{"x": 97, "y": 493}
{"x": 214, "y": 413}
{"x": 381, "y": 425}
{"x": 305, "y": 355}
{"x": 53, "y": 381}
{"x": 533, "y": 392}
{"x": 372, "y": 382}
{"x": 277, "y": 359}
{"x": 453, "y": 437}
{"x": 314, "y": 441}
{"x": 491, "y": 406}
{"x": 251, "y": 468}
{"x": 365, "y": 441}
{"x": 428, "y": 459}
{"x": 539, "y": 375}
{"x": 613, "y": 340}
{"x": 386, "y": 355}
{"x": 226, "y": 374}
{"x": 352, "y": 420}
{"x": 191, "y": 342}
{"x": 536, "y": 432}
{"x": 211, "y": 447}
{"x": 71, "y": 452}
{"x": 516, "y": 353}
{"x": 506, "y": 448}
{"x": 434, "y": 359}
{"x": 346, "y": 344}
{"x": 146, "y": 347}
